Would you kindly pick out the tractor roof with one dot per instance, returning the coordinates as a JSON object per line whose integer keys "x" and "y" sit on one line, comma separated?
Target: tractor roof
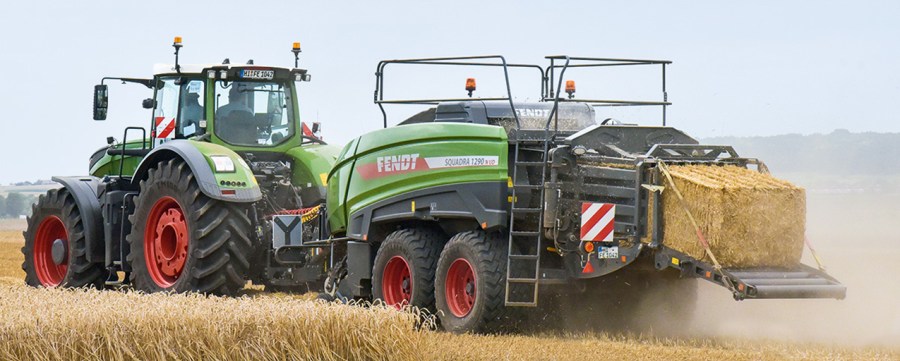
{"x": 198, "y": 68}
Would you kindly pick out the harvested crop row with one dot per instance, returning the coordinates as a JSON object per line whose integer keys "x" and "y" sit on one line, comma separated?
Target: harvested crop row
{"x": 112, "y": 325}
{"x": 39, "y": 324}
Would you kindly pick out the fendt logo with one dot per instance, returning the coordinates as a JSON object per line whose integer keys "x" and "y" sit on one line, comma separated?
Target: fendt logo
{"x": 395, "y": 163}
{"x": 529, "y": 112}
{"x": 406, "y": 163}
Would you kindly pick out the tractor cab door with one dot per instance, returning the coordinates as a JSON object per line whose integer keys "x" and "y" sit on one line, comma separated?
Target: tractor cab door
{"x": 179, "y": 109}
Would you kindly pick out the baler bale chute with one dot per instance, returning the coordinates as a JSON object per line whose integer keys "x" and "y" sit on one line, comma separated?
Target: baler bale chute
{"x": 707, "y": 214}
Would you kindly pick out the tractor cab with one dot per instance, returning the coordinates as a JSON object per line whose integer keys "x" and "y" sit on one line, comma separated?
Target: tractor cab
{"x": 238, "y": 106}
{"x": 244, "y": 107}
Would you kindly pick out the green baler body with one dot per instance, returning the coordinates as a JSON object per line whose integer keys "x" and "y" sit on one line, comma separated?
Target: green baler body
{"x": 393, "y": 161}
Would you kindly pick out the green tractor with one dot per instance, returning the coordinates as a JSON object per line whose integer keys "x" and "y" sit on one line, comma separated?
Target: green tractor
{"x": 222, "y": 191}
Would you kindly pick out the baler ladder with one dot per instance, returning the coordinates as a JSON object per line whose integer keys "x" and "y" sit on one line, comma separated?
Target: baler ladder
{"x": 527, "y": 230}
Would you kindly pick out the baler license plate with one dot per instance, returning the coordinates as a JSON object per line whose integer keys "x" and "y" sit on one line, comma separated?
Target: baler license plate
{"x": 608, "y": 252}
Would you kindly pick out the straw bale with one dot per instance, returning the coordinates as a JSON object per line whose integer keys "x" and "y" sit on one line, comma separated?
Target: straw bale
{"x": 750, "y": 219}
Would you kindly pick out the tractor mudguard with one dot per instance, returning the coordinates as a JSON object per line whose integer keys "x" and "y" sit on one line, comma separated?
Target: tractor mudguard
{"x": 237, "y": 185}
{"x": 85, "y": 190}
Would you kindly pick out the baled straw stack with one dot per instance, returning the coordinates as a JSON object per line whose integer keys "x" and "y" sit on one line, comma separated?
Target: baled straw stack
{"x": 750, "y": 219}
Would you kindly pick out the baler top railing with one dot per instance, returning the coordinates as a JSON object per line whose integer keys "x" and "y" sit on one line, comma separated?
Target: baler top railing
{"x": 587, "y": 62}
{"x": 476, "y": 61}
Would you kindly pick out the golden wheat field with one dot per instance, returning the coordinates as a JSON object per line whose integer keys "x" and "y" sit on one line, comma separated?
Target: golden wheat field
{"x": 83, "y": 325}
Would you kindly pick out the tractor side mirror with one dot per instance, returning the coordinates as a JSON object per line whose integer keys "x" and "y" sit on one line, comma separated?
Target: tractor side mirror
{"x": 316, "y": 127}
{"x": 101, "y": 101}
{"x": 148, "y": 103}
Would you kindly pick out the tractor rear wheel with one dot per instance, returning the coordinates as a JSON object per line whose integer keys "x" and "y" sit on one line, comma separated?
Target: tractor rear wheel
{"x": 55, "y": 248}
{"x": 403, "y": 273}
{"x": 183, "y": 241}
{"x": 470, "y": 282}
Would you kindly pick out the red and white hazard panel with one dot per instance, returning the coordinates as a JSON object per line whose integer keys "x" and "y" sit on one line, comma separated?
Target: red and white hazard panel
{"x": 165, "y": 127}
{"x": 597, "y": 221}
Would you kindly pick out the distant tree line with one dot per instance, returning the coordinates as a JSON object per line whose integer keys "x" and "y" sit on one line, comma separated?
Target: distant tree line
{"x": 838, "y": 153}
{"x": 16, "y": 204}
{"x": 35, "y": 183}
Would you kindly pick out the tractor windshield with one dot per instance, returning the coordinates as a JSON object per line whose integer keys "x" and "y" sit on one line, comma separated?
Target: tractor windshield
{"x": 257, "y": 113}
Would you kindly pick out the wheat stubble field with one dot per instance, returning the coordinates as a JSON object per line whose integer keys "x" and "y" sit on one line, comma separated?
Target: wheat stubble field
{"x": 78, "y": 324}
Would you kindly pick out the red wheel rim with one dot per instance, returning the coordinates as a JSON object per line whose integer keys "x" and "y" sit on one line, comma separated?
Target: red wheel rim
{"x": 49, "y": 273}
{"x": 461, "y": 287}
{"x": 166, "y": 242}
{"x": 396, "y": 282}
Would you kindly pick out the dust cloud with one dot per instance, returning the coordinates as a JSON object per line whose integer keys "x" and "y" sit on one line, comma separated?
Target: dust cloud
{"x": 856, "y": 235}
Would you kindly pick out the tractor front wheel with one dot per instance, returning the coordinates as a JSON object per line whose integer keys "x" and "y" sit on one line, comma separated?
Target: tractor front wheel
{"x": 55, "y": 247}
{"x": 183, "y": 241}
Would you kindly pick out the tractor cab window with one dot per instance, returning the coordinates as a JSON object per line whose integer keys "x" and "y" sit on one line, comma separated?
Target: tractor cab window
{"x": 166, "y": 110}
{"x": 179, "y": 108}
{"x": 253, "y": 113}
{"x": 192, "y": 110}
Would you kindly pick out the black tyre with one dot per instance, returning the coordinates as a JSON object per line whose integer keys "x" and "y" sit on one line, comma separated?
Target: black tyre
{"x": 403, "y": 273}
{"x": 55, "y": 248}
{"x": 183, "y": 241}
{"x": 470, "y": 283}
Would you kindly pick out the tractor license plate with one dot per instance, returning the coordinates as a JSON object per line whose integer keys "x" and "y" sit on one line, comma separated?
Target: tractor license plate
{"x": 608, "y": 252}
{"x": 257, "y": 74}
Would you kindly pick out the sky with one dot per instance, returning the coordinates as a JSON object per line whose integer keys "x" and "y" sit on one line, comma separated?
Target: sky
{"x": 741, "y": 69}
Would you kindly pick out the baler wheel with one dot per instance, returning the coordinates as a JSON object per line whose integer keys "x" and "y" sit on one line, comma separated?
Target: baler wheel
{"x": 182, "y": 240}
{"x": 403, "y": 273}
{"x": 55, "y": 226}
{"x": 470, "y": 283}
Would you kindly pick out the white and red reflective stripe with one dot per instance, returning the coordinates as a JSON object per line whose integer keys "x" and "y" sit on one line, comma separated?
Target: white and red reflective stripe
{"x": 598, "y": 221}
{"x": 165, "y": 127}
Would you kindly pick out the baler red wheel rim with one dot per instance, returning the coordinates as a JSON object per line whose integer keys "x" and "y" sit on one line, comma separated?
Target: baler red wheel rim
{"x": 461, "y": 287}
{"x": 166, "y": 240}
{"x": 49, "y": 273}
{"x": 397, "y": 283}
